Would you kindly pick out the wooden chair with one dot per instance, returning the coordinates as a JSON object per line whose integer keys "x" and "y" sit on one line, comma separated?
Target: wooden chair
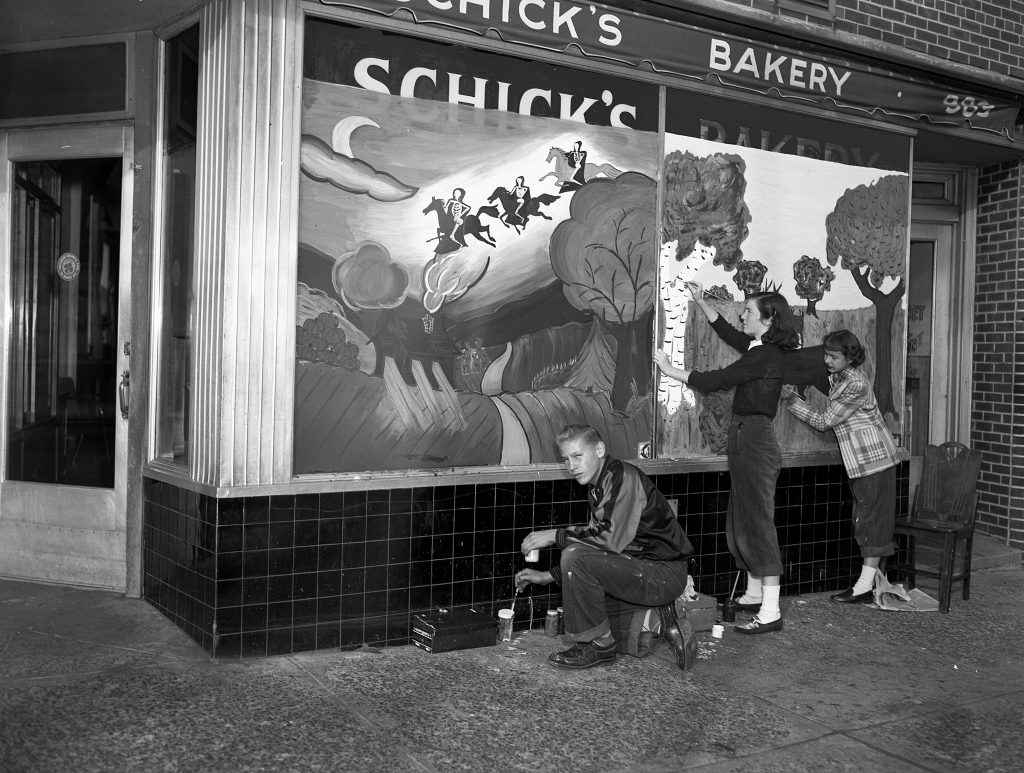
{"x": 943, "y": 508}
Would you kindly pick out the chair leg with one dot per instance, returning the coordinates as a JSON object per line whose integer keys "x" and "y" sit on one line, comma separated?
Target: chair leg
{"x": 969, "y": 549}
{"x": 947, "y": 560}
{"x": 912, "y": 574}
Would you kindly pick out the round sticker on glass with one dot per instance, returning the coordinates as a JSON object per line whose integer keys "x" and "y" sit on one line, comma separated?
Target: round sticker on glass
{"x": 68, "y": 266}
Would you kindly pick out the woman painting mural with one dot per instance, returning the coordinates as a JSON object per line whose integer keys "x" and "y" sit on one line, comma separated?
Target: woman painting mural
{"x": 754, "y": 457}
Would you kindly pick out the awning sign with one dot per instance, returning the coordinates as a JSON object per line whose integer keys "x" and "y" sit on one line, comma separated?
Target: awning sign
{"x": 597, "y": 32}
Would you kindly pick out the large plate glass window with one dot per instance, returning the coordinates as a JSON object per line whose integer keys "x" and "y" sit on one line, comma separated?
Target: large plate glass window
{"x": 477, "y": 255}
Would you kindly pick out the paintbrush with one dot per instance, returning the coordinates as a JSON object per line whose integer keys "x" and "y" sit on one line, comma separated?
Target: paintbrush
{"x": 711, "y": 295}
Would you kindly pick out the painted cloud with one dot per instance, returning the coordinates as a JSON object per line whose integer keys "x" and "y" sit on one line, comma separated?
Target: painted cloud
{"x": 367, "y": 278}
{"x": 321, "y": 163}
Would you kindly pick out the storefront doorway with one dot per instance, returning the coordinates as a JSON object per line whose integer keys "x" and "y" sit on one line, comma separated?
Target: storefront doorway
{"x": 67, "y": 213}
{"x": 940, "y": 299}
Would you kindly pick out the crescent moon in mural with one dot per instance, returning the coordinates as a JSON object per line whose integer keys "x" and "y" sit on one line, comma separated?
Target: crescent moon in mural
{"x": 322, "y": 163}
{"x": 341, "y": 138}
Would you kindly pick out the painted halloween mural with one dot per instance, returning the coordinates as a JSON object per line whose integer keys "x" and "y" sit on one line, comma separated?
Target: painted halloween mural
{"x": 477, "y": 255}
{"x": 757, "y": 200}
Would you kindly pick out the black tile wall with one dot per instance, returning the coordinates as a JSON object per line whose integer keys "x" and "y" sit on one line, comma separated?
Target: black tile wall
{"x": 260, "y": 576}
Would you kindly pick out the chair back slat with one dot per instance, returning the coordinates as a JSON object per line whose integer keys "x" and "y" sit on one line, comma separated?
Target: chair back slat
{"x": 949, "y": 481}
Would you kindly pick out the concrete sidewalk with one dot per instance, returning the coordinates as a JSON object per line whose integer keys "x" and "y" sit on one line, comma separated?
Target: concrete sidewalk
{"x": 91, "y": 681}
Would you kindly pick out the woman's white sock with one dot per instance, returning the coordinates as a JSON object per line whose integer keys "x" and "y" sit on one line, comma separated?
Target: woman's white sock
{"x": 769, "y": 611}
{"x": 866, "y": 581}
{"x": 752, "y": 595}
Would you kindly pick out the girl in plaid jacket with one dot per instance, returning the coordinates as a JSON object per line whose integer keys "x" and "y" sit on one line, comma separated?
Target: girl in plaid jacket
{"x": 868, "y": 451}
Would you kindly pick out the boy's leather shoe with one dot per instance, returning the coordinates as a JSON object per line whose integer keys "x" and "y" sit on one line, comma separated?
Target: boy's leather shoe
{"x": 755, "y": 626}
{"x": 849, "y": 597}
{"x": 583, "y": 655}
{"x": 679, "y": 634}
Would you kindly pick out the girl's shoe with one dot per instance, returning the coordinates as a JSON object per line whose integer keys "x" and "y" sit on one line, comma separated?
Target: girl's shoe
{"x": 756, "y": 626}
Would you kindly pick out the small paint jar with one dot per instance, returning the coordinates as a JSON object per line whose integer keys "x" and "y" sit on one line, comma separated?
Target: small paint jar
{"x": 533, "y": 556}
{"x": 505, "y": 624}
{"x": 717, "y": 630}
{"x": 729, "y": 611}
{"x": 551, "y": 623}
{"x": 561, "y": 621}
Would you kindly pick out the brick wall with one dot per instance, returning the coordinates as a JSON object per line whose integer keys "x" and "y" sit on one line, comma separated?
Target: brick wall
{"x": 983, "y": 34}
{"x": 997, "y": 409}
{"x": 986, "y": 34}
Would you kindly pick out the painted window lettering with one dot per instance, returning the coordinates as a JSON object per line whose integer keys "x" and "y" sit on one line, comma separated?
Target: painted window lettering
{"x": 481, "y": 94}
{"x": 967, "y": 106}
{"x": 807, "y": 147}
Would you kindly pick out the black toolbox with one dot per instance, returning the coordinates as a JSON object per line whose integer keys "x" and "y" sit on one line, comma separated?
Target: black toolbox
{"x": 443, "y": 630}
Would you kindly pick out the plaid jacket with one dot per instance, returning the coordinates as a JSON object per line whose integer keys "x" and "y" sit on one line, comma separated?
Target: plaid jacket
{"x": 864, "y": 440}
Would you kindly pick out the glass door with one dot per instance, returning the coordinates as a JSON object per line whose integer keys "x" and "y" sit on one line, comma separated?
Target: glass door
{"x": 66, "y": 381}
{"x": 939, "y": 335}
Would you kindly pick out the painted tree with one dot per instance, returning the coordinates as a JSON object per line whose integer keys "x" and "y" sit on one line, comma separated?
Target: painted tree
{"x": 749, "y": 276}
{"x": 813, "y": 280}
{"x": 867, "y": 233}
{"x": 704, "y": 200}
{"x": 704, "y": 213}
{"x": 605, "y": 254}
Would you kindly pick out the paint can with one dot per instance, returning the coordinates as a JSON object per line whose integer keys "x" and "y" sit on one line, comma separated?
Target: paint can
{"x": 561, "y": 621}
{"x": 505, "y": 624}
{"x": 533, "y": 556}
{"x": 729, "y": 611}
{"x": 551, "y": 623}
{"x": 717, "y": 630}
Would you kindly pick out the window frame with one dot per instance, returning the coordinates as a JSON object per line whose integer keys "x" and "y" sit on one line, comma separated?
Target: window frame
{"x": 173, "y": 466}
{"x": 91, "y": 40}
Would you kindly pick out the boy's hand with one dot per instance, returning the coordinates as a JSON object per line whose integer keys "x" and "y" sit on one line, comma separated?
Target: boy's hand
{"x": 536, "y": 540}
{"x": 526, "y": 576}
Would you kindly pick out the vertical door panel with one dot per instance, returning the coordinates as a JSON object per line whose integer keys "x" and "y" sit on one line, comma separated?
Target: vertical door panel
{"x": 66, "y": 202}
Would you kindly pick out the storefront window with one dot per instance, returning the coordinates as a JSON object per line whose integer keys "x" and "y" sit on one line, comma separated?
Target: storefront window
{"x": 178, "y": 159}
{"x": 476, "y": 255}
{"x": 764, "y": 200}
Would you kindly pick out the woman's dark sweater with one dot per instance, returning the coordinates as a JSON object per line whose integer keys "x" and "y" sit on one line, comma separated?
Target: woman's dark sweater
{"x": 757, "y": 375}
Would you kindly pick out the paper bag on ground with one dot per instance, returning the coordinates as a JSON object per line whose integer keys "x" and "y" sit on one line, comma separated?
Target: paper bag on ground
{"x": 896, "y": 598}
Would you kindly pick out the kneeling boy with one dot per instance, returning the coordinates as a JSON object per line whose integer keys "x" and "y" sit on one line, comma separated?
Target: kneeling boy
{"x": 632, "y": 551}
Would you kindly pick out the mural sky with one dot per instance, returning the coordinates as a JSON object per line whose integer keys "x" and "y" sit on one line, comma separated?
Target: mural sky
{"x": 436, "y": 148}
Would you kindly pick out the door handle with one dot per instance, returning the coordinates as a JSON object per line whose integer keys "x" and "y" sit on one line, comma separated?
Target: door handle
{"x": 124, "y": 391}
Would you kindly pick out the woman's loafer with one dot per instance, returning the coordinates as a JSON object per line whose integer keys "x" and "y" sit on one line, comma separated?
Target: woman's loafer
{"x": 752, "y": 607}
{"x": 756, "y": 626}
{"x": 583, "y": 655}
{"x": 849, "y": 597}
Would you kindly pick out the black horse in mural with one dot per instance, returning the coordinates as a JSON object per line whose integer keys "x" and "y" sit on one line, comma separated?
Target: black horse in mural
{"x": 471, "y": 226}
{"x": 509, "y": 204}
